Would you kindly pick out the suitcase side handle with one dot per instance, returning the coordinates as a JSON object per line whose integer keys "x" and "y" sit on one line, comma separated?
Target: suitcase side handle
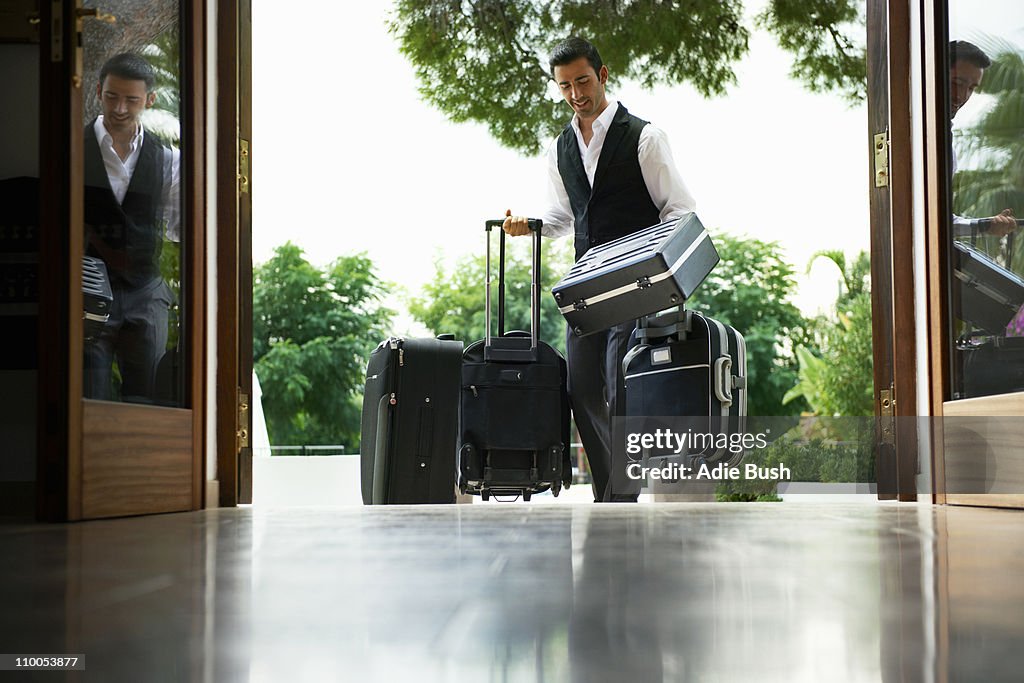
{"x": 535, "y": 225}
{"x": 722, "y": 380}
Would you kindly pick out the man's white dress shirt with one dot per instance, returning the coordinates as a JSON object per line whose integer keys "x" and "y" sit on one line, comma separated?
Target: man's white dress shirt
{"x": 666, "y": 187}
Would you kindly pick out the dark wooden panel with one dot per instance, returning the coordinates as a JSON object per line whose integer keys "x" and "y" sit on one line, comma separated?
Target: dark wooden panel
{"x": 901, "y": 199}
{"x": 194, "y": 111}
{"x": 136, "y": 459}
{"x": 245, "y": 244}
{"x": 892, "y": 243}
{"x": 227, "y": 252}
{"x": 60, "y": 276}
{"x": 881, "y": 239}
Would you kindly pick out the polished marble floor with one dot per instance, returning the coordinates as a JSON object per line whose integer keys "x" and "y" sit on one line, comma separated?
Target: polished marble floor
{"x": 524, "y": 592}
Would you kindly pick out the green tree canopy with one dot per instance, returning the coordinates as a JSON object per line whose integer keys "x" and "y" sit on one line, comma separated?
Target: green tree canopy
{"x": 486, "y": 60}
{"x": 454, "y": 301}
{"x": 313, "y": 331}
{"x": 751, "y": 289}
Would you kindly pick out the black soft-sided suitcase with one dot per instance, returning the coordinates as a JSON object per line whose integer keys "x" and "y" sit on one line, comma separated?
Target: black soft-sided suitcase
{"x": 687, "y": 365}
{"x": 645, "y": 272}
{"x": 990, "y": 295}
{"x": 410, "y": 422}
{"x": 515, "y": 406}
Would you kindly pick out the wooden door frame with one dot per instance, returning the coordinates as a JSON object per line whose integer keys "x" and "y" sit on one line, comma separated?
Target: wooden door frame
{"x": 59, "y": 415}
{"x": 892, "y": 233}
{"x": 234, "y": 253}
{"x": 62, "y": 485}
{"x": 938, "y": 148}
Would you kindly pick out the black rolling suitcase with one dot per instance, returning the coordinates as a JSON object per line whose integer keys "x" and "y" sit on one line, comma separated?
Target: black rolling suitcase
{"x": 644, "y": 272}
{"x": 410, "y": 422}
{"x": 515, "y": 406}
{"x": 691, "y": 369}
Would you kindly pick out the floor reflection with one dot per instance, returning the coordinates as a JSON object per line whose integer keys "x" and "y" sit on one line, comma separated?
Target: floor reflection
{"x": 526, "y": 592}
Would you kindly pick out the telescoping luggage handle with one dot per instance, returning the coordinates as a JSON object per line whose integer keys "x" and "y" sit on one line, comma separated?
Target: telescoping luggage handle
{"x": 510, "y": 349}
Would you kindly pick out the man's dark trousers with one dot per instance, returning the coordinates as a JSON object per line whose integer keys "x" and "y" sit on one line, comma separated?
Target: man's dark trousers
{"x": 597, "y": 394}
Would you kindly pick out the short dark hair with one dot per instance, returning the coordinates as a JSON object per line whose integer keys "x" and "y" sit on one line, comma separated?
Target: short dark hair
{"x": 962, "y": 51}
{"x": 571, "y": 49}
{"x": 129, "y": 66}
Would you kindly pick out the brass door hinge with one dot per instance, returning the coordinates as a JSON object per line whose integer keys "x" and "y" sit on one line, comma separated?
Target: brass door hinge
{"x": 243, "y": 166}
{"x": 243, "y": 421}
{"x": 887, "y": 413}
{"x": 882, "y": 159}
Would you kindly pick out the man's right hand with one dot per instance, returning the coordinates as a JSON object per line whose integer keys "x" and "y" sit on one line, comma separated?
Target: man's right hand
{"x": 515, "y": 226}
{"x": 1003, "y": 223}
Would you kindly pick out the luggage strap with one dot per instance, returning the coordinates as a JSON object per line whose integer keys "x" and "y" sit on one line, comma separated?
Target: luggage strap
{"x": 648, "y": 327}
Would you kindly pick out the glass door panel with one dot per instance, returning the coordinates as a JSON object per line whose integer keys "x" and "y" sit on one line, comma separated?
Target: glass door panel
{"x": 133, "y": 213}
{"x": 986, "y": 107}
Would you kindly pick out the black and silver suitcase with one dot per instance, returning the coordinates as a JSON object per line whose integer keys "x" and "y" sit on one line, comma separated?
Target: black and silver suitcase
{"x": 691, "y": 369}
{"x": 514, "y": 433}
{"x": 97, "y": 296}
{"x": 410, "y": 421}
{"x": 990, "y": 295}
{"x": 645, "y": 272}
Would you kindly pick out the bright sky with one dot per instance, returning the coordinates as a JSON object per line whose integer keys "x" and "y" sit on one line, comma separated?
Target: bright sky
{"x": 347, "y": 158}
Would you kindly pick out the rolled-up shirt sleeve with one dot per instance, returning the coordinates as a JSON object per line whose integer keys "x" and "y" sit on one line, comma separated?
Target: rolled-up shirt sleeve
{"x": 171, "y": 199}
{"x": 666, "y": 187}
{"x": 558, "y": 219}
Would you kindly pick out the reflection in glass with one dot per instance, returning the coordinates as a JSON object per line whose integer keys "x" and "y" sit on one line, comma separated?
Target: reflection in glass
{"x": 986, "y": 105}
{"x": 132, "y": 215}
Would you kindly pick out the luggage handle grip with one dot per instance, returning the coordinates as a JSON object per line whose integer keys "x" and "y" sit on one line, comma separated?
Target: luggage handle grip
{"x": 722, "y": 380}
{"x": 535, "y": 225}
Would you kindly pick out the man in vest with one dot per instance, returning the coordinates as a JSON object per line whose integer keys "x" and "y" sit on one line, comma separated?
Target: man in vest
{"x": 611, "y": 174}
{"x": 967, "y": 64}
{"x": 131, "y": 206}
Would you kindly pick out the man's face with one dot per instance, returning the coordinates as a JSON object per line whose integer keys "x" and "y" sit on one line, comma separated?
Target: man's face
{"x": 582, "y": 87}
{"x": 123, "y": 101}
{"x": 964, "y": 79}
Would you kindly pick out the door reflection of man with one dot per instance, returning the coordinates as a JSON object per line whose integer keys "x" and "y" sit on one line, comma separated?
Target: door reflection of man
{"x": 967, "y": 64}
{"x": 132, "y": 190}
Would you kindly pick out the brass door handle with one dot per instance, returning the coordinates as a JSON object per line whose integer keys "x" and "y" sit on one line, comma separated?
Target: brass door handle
{"x": 94, "y": 13}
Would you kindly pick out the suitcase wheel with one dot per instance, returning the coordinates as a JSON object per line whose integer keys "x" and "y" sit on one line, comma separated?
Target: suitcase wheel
{"x": 485, "y": 494}
{"x": 462, "y": 486}
{"x": 526, "y": 496}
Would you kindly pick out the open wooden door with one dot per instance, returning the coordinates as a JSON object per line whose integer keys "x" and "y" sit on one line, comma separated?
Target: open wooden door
{"x": 976, "y": 363}
{"x": 234, "y": 253}
{"x": 122, "y": 288}
{"x": 889, "y": 119}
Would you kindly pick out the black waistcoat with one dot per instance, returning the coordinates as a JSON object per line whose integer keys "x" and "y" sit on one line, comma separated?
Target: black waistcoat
{"x": 127, "y": 236}
{"x": 619, "y": 202}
